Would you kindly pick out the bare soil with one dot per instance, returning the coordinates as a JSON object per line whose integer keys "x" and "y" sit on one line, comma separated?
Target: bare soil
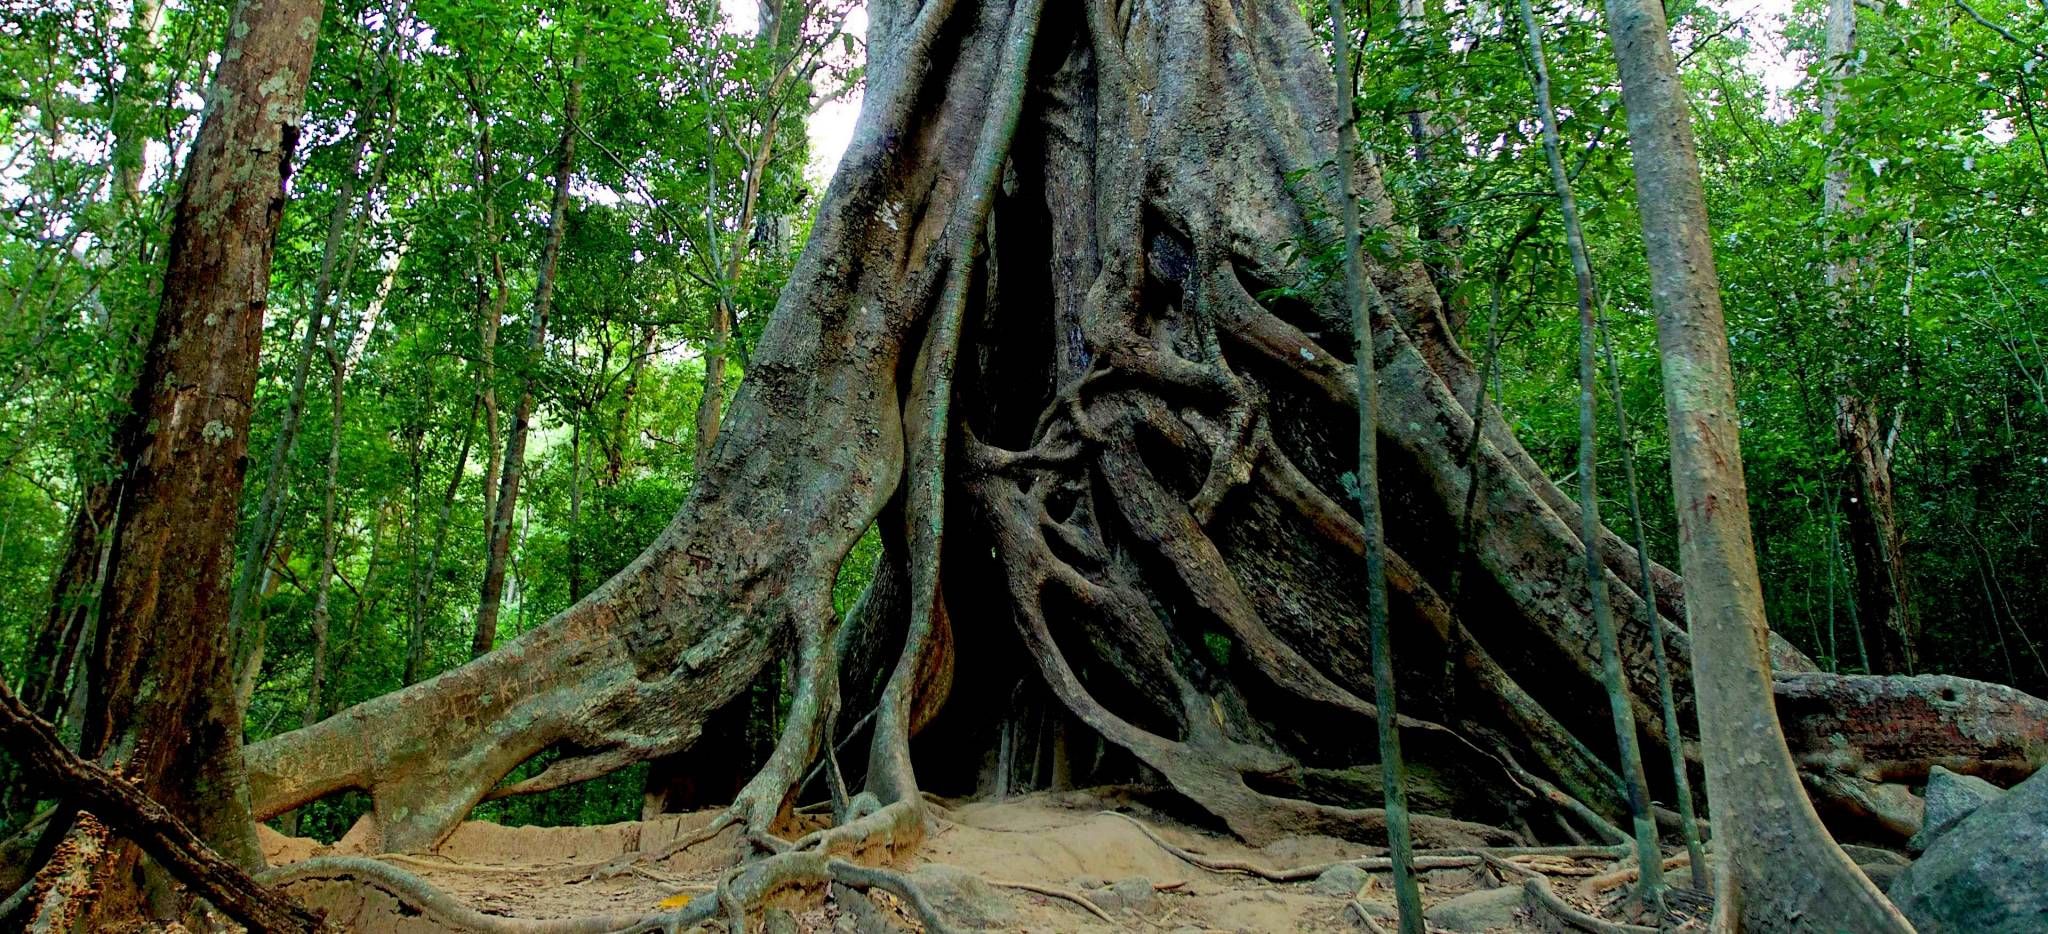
{"x": 1056, "y": 840}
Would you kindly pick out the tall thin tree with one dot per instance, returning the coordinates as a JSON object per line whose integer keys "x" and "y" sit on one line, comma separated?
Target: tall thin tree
{"x": 1780, "y": 869}
{"x": 1364, "y": 299}
{"x": 522, "y": 416}
{"x": 1650, "y": 876}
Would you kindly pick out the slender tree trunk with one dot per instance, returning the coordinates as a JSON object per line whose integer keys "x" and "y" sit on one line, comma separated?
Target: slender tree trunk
{"x": 1781, "y": 870}
{"x": 54, "y": 659}
{"x": 490, "y": 306}
{"x": 729, "y": 264}
{"x": 1447, "y": 267}
{"x": 1877, "y": 546}
{"x": 1883, "y": 592}
{"x": 1366, "y": 303}
{"x": 713, "y": 398}
{"x": 426, "y": 574}
{"x": 323, "y": 589}
{"x": 160, "y": 666}
{"x": 615, "y": 449}
{"x": 1650, "y": 877}
{"x": 138, "y": 52}
{"x": 1674, "y": 738}
{"x": 575, "y": 538}
{"x": 522, "y": 416}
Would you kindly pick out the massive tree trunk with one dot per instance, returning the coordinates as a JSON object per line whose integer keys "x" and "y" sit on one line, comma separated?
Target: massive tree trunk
{"x": 1054, "y": 337}
{"x": 159, "y": 665}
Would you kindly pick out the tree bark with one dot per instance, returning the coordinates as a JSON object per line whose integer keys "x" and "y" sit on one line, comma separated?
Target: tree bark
{"x": 507, "y": 500}
{"x": 1884, "y": 597}
{"x": 160, "y": 665}
{"x": 1781, "y": 870}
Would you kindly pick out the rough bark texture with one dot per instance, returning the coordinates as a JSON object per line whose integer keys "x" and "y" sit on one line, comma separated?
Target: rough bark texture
{"x": 160, "y": 665}
{"x": 1884, "y": 596}
{"x": 1764, "y": 822}
{"x": 1054, "y": 338}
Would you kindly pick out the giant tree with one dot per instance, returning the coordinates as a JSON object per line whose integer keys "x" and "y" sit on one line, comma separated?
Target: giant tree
{"x": 1070, "y": 337}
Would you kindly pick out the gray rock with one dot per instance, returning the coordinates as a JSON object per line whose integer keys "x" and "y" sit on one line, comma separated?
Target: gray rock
{"x": 1105, "y": 898}
{"x": 1882, "y": 875}
{"x": 1950, "y": 798}
{"x": 963, "y": 897}
{"x": 1136, "y": 893}
{"x": 1867, "y": 855}
{"x": 1474, "y": 912}
{"x": 1989, "y": 873}
{"x": 1340, "y": 881}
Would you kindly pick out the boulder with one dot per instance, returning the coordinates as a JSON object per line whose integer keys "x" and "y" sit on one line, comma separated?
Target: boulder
{"x": 1950, "y": 798}
{"x": 1476, "y": 912}
{"x": 1989, "y": 873}
{"x": 1340, "y": 881}
{"x": 1136, "y": 893}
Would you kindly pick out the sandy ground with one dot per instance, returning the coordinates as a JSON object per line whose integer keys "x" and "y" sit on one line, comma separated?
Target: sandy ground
{"x": 1058, "y": 840}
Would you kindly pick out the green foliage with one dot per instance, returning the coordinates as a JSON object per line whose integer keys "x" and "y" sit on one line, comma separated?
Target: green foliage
{"x": 1942, "y": 324}
{"x": 689, "y": 124}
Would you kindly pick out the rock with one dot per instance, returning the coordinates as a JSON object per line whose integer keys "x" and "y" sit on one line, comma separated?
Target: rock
{"x": 1882, "y": 875}
{"x": 1136, "y": 893}
{"x": 963, "y": 897}
{"x": 1986, "y": 874}
{"x": 1340, "y": 881}
{"x": 1473, "y": 912}
{"x": 1950, "y": 798}
{"x": 1867, "y": 855}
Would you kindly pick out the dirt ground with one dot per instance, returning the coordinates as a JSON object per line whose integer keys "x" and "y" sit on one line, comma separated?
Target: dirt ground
{"x": 1060, "y": 841}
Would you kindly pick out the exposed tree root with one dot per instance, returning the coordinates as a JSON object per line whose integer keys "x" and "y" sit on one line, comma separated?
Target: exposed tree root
{"x": 1051, "y": 891}
{"x": 1452, "y": 859}
{"x": 1555, "y": 914}
{"x": 127, "y": 811}
{"x": 415, "y": 895}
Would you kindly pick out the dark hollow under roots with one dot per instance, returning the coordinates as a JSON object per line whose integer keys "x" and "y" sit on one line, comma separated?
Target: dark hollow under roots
{"x": 1061, "y": 337}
